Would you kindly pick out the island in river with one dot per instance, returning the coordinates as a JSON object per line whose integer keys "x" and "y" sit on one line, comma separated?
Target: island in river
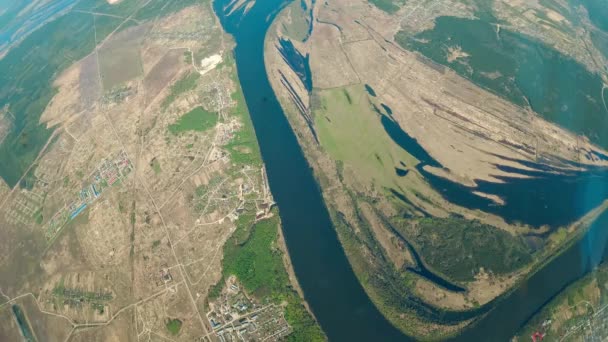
{"x": 453, "y": 159}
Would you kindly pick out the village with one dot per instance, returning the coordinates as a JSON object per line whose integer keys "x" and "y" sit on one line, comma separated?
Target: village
{"x": 235, "y": 316}
{"x": 108, "y": 173}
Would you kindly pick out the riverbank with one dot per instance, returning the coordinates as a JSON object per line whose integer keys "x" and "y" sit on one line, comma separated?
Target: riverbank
{"x": 332, "y": 290}
{"x": 344, "y": 208}
{"x": 578, "y": 232}
{"x": 293, "y": 280}
{"x": 253, "y": 254}
{"x": 358, "y": 240}
{"x": 574, "y": 234}
{"x": 578, "y": 310}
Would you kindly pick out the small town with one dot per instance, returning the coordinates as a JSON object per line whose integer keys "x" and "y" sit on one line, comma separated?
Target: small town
{"x": 234, "y": 316}
{"x": 109, "y": 172}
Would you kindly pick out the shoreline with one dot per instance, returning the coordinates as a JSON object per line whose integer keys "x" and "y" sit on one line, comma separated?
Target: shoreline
{"x": 575, "y": 230}
{"x": 293, "y": 279}
{"x": 416, "y": 327}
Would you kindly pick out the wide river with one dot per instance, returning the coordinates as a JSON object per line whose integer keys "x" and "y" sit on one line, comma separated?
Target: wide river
{"x": 333, "y": 292}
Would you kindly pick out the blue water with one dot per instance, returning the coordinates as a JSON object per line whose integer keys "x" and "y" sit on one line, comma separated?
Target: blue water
{"x": 298, "y": 62}
{"x": 551, "y": 196}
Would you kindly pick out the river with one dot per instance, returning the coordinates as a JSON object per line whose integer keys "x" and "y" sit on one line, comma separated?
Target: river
{"x": 334, "y": 294}
{"x": 329, "y": 284}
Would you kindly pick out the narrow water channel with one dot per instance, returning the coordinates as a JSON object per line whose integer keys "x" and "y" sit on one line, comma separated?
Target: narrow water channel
{"x": 329, "y": 284}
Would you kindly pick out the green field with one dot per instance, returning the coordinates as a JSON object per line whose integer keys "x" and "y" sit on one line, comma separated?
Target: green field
{"x": 174, "y": 326}
{"x": 299, "y": 23}
{"x": 155, "y": 164}
{"x": 26, "y": 86}
{"x": 255, "y": 263}
{"x": 104, "y": 25}
{"x": 197, "y": 119}
{"x": 251, "y": 254}
{"x": 351, "y": 132}
{"x": 388, "y": 6}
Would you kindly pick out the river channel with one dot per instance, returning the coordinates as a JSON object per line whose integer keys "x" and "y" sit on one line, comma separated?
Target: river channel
{"x": 333, "y": 292}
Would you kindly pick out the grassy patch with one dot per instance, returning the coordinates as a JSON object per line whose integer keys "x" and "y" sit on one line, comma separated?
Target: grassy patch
{"x": 388, "y": 6}
{"x": 104, "y": 25}
{"x": 351, "y": 132}
{"x": 458, "y": 248}
{"x": 174, "y": 326}
{"x": 297, "y": 28}
{"x": 252, "y": 255}
{"x": 155, "y": 165}
{"x": 183, "y": 85}
{"x": 38, "y": 217}
{"x": 197, "y": 119}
